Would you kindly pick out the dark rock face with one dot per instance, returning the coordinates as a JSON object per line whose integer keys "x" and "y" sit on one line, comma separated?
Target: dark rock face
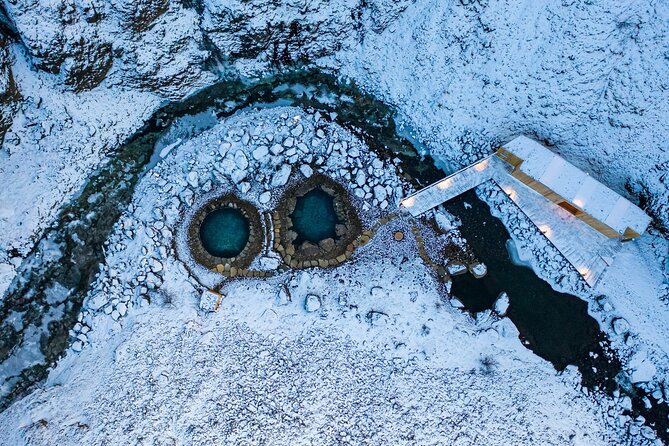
{"x": 88, "y": 65}
{"x": 164, "y": 46}
{"x": 9, "y": 94}
{"x": 139, "y": 15}
{"x": 63, "y": 38}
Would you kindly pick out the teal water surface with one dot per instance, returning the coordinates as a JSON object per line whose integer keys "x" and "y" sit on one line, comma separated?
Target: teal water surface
{"x": 224, "y": 232}
{"x": 314, "y": 217}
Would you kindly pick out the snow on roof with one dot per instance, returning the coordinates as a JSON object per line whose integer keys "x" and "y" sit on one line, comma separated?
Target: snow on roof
{"x": 577, "y": 187}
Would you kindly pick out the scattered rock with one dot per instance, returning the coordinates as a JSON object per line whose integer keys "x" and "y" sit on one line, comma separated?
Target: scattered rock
{"x": 283, "y": 296}
{"x": 297, "y": 130}
{"x": 241, "y": 161}
{"x": 288, "y": 142}
{"x": 306, "y": 170}
{"x": 620, "y": 326}
{"x": 281, "y": 176}
{"x": 478, "y": 270}
{"x": 379, "y": 192}
{"x": 360, "y": 178}
{"x": 192, "y": 178}
{"x": 264, "y": 197}
{"x": 260, "y": 153}
{"x": 312, "y": 303}
{"x": 156, "y": 266}
{"x": 269, "y": 263}
{"x": 502, "y": 304}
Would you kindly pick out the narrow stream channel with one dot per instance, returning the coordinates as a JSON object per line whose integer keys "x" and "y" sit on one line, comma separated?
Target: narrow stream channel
{"x": 554, "y": 325}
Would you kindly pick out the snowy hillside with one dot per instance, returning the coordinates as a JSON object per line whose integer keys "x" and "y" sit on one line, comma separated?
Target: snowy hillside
{"x": 370, "y": 348}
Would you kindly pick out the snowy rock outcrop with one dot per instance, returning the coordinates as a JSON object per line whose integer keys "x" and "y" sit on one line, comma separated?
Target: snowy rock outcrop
{"x": 164, "y": 46}
{"x": 653, "y": 188}
{"x": 9, "y": 94}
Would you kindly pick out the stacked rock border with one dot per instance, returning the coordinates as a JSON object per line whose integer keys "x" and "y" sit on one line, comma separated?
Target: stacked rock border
{"x": 229, "y": 265}
{"x": 328, "y": 252}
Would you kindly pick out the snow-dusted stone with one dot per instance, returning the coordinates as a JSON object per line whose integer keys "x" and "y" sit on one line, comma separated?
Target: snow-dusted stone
{"x": 360, "y": 178}
{"x": 281, "y": 176}
{"x": 456, "y": 303}
{"x": 264, "y": 197}
{"x": 223, "y": 148}
{"x": 379, "y": 193}
{"x": 283, "y": 296}
{"x": 209, "y": 300}
{"x": 306, "y": 170}
{"x": 288, "y": 142}
{"x": 276, "y": 149}
{"x": 297, "y": 130}
{"x": 77, "y": 346}
{"x": 443, "y": 222}
{"x": 238, "y": 176}
{"x": 643, "y": 369}
{"x": 244, "y": 187}
{"x": 115, "y": 315}
{"x": 192, "y": 178}
{"x": 377, "y": 164}
{"x": 97, "y": 301}
{"x": 241, "y": 161}
{"x": 269, "y": 263}
{"x": 502, "y": 304}
{"x": 156, "y": 265}
{"x": 320, "y": 133}
{"x": 478, "y": 270}
{"x": 354, "y": 152}
{"x": 456, "y": 268}
{"x": 260, "y": 153}
{"x": 620, "y": 326}
{"x": 312, "y": 303}
{"x": 226, "y": 166}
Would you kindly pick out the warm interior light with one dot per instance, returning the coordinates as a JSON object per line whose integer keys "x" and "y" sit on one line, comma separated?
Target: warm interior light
{"x": 583, "y": 270}
{"x": 545, "y": 229}
{"x": 408, "y": 202}
{"x": 579, "y": 203}
{"x": 510, "y": 192}
{"x": 481, "y": 165}
{"x": 445, "y": 184}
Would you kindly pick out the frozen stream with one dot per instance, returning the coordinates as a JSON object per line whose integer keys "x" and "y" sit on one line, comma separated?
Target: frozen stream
{"x": 44, "y": 301}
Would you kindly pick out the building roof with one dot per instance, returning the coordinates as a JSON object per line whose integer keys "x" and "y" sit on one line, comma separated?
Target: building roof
{"x": 577, "y": 187}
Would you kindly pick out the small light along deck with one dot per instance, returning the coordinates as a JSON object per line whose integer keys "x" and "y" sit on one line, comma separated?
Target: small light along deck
{"x": 586, "y": 249}
{"x": 450, "y": 187}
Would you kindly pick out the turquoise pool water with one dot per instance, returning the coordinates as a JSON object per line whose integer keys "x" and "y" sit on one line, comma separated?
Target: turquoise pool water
{"x": 224, "y": 232}
{"x": 314, "y": 218}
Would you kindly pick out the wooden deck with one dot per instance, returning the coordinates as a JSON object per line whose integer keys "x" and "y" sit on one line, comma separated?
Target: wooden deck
{"x": 450, "y": 187}
{"x": 588, "y": 251}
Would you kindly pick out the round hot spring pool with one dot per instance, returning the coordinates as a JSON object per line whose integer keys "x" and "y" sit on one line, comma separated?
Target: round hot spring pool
{"x": 314, "y": 218}
{"x": 225, "y": 232}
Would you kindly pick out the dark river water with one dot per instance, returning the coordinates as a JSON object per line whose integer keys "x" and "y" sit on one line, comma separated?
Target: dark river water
{"x": 553, "y": 325}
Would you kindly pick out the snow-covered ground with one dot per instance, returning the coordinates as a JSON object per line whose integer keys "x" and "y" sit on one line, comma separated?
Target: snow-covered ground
{"x": 366, "y": 352}
{"x": 590, "y": 78}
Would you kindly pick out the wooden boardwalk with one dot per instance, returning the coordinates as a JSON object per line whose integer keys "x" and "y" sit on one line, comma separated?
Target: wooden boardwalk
{"x": 450, "y": 187}
{"x": 588, "y": 251}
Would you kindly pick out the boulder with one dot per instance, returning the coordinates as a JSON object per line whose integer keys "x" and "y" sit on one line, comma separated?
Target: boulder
{"x": 312, "y": 303}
